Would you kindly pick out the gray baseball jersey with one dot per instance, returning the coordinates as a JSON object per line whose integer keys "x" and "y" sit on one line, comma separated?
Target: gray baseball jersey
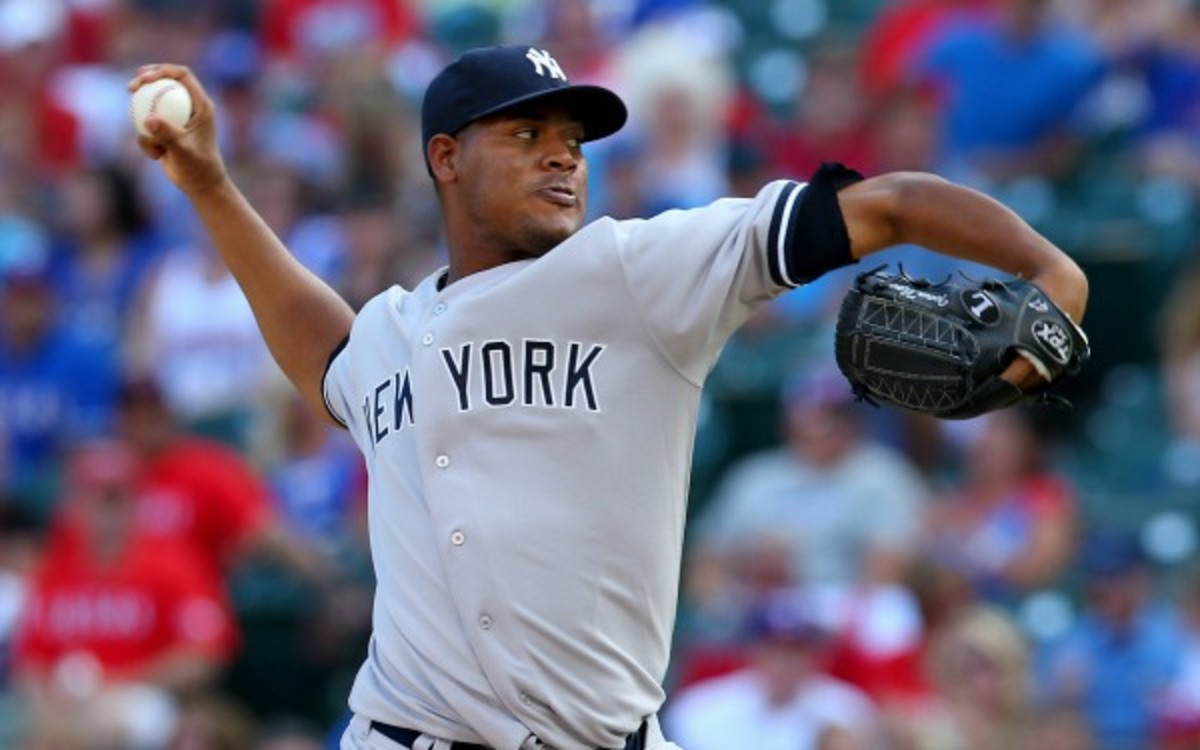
{"x": 528, "y": 433}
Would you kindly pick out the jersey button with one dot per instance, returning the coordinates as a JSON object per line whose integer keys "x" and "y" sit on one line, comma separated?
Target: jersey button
{"x": 441, "y": 462}
{"x": 439, "y": 308}
{"x": 458, "y": 538}
{"x": 485, "y": 622}
{"x": 526, "y": 700}
{"x": 427, "y": 339}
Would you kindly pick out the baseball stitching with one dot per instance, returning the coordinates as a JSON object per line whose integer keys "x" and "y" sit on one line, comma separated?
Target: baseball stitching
{"x": 154, "y": 100}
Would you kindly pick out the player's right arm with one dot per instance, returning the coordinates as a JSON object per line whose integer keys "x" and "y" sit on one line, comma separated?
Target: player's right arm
{"x": 301, "y": 318}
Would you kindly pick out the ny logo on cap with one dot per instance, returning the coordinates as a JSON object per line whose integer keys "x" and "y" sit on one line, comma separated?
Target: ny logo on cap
{"x": 544, "y": 63}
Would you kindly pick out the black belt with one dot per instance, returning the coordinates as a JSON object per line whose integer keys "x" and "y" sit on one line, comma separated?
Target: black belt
{"x": 406, "y": 737}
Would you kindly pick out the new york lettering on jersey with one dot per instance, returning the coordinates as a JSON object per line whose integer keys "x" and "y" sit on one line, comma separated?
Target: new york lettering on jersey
{"x": 494, "y": 373}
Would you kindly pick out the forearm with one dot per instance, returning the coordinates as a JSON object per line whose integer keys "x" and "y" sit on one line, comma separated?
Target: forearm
{"x": 301, "y": 318}
{"x": 925, "y": 210}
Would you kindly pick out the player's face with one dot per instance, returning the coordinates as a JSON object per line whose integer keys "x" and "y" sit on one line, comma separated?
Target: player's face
{"x": 524, "y": 179}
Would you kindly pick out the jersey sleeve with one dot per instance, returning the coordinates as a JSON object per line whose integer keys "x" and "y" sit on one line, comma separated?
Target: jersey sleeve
{"x": 696, "y": 275}
{"x": 333, "y": 384}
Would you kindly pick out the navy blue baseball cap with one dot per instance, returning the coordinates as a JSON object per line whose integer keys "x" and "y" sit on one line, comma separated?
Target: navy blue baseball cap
{"x": 490, "y": 80}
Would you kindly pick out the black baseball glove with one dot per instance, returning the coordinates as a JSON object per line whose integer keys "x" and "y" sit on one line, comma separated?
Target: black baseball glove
{"x": 939, "y": 348}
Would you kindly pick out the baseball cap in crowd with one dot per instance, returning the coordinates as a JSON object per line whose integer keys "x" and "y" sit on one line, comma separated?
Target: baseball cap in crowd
{"x": 816, "y": 386}
{"x": 785, "y": 616}
{"x": 490, "y": 80}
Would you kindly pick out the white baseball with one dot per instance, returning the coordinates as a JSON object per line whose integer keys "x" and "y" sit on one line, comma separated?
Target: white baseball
{"x": 167, "y": 99}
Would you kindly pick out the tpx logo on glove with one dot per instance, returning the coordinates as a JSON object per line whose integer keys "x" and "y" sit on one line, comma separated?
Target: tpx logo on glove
{"x": 1054, "y": 339}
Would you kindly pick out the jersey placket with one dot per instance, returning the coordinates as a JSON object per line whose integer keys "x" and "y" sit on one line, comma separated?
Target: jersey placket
{"x": 456, "y": 497}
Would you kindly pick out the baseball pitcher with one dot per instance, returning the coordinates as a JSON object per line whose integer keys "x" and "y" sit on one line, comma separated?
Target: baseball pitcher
{"x": 527, "y": 413}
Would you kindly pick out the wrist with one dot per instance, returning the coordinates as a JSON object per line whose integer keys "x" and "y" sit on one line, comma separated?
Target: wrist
{"x": 1065, "y": 283}
{"x": 218, "y": 185}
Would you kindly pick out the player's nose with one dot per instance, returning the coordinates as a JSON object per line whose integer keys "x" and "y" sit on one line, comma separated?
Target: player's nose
{"x": 560, "y": 156}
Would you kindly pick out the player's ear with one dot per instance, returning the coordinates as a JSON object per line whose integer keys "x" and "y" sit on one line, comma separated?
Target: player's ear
{"x": 442, "y": 153}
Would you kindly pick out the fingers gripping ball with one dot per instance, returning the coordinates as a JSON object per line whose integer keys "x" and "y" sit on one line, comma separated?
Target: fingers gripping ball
{"x": 939, "y": 348}
{"x": 166, "y": 99}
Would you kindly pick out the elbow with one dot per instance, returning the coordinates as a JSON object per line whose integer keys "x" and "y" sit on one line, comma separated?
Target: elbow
{"x": 909, "y": 196}
{"x": 886, "y": 210}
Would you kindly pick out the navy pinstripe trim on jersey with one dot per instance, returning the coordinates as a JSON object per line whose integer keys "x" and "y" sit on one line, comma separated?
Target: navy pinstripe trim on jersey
{"x": 324, "y": 375}
{"x": 777, "y": 234}
{"x": 817, "y": 241}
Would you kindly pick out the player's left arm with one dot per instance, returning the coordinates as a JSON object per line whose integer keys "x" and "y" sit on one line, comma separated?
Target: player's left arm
{"x": 926, "y": 210}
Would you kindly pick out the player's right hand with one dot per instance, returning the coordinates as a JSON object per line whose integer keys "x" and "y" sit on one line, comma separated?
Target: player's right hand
{"x": 189, "y": 155}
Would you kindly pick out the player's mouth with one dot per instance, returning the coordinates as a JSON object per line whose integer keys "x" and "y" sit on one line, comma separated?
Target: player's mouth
{"x": 559, "y": 195}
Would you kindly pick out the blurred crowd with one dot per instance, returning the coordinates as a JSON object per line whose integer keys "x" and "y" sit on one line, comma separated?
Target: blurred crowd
{"x": 183, "y": 558}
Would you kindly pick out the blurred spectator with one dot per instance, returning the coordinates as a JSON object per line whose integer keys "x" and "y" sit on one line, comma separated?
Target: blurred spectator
{"x": 782, "y": 700}
{"x": 846, "y": 509}
{"x": 904, "y": 135}
{"x": 1120, "y": 27}
{"x": 979, "y": 668}
{"x": 573, "y": 30}
{"x": 377, "y": 125}
{"x": 102, "y": 251}
{"x": 208, "y": 721}
{"x": 831, "y": 511}
{"x": 312, "y": 30}
{"x": 829, "y": 118}
{"x": 1170, "y": 136}
{"x": 678, "y": 90}
{"x": 20, "y": 548}
{"x": 382, "y": 248}
{"x": 291, "y": 207}
{"x": 1009, "y": 527}
{"x": 195, "y": 335}
{"x": 897, "y": 37}
{"x": 835, "y": 737}
{"x": 38, "y": 136}
{"x": 202, "y": 494}
{"x": 289, "y": 735}
{"x": 319, "y": 483}
{"x": 117, "y": 624}
{"x": 1179, "y": 342}
{"x": 1011, "y": 84}
{"x": 1179, "y": 708}
{"x": 1058, "y": 729}
{"x": 54, "y": 387}
{"x": 1126, "y": 648}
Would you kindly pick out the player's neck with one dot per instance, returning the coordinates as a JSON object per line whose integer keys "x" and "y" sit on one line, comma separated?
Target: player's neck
{"x": 481, "y": 257}
{"x": 462, "y": 269}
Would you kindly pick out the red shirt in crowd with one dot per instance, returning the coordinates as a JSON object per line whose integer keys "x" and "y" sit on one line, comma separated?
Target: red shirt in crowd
{"x": 292, "y": 26}
{"x": 153, "y": 600}
{"x": 202, "y": 493}
{"x": 199, "y": 494}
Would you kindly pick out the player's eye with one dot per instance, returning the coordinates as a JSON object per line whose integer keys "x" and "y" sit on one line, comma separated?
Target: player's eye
{"x": 527, "y": 134}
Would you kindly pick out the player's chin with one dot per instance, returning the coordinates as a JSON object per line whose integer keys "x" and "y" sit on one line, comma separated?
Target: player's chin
{"x": 551, "y": 231}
